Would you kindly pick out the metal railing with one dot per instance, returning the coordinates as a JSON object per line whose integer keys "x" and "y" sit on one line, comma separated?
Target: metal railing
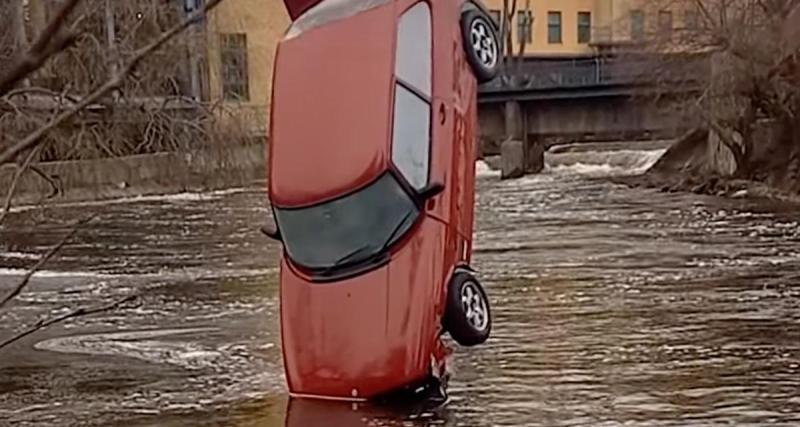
{"x": 540, "y": 75}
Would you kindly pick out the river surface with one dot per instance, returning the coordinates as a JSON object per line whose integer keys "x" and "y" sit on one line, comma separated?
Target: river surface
{"x": 613, "y": 307}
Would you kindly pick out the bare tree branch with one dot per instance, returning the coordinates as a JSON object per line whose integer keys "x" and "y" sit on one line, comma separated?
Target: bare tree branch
{"x": 81, "y": 312}
{"x": 113, "y": 83}
{"x": 51, "y": 41}
{"x": 14, "y": 181}
{"x": 55, "y": 186}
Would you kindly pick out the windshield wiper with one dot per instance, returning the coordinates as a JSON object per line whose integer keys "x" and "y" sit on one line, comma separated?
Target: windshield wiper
{"x": 394, "y": 232}
{"x": 345, "y": 260}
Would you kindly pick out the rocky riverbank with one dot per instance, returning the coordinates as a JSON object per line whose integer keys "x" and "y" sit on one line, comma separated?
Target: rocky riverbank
{"x": 688, "y": 166}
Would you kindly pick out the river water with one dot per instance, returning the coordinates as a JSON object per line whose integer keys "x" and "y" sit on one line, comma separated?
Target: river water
{"x": 613, "y": 307}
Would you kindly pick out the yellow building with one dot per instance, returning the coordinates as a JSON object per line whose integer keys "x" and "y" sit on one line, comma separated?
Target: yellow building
{"x": 553, "y": 28}
{"x": 242, "y": 36}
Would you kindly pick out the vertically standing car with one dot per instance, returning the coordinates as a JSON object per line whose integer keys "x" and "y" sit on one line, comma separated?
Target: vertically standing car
{"x": 371, "y": 182}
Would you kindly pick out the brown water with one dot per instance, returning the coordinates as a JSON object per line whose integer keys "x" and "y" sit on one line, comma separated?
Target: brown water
{"x": 613, "y": 307}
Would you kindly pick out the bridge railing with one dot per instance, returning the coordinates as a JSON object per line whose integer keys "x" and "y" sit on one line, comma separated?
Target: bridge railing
{"x": 540, "y": 75}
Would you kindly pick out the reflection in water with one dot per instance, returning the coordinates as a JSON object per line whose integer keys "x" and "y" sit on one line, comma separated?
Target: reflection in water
{"x": 613, "y": 307}
{"x": 302, "y": 412}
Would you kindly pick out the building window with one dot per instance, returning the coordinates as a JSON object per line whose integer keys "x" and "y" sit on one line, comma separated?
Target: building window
{"x": 190, "y": 6}
{"x": 554, "y": 27}
{"x": 637, "y": 25}
{"x": 665, "y": 25}
{"x": 496, "y": 15}
{"x": 691, "y": 20}
{"x": 524, "y": 26}
{"x": 415, "y": 49}
{"x": 233, "y": 57}
{"x": 584, "y": 27}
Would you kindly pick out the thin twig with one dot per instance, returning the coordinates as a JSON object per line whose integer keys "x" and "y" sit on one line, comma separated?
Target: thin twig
{"x": 50, "y": 42}
{"x": 55, "y": 187}
{"x": 115, "y": 82}
{"x": 12, "y": 189}
{"x": 25, "y": 91}
{"x": 81, "y": 312}
{"x": 42, "y": 261}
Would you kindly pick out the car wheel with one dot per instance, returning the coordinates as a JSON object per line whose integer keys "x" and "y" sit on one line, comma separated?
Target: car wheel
{"x": 481, "y": 44}
{"x": 467, "y": 316}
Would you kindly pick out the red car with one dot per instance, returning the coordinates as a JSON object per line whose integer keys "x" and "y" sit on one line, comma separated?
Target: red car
{"x": 372, "y": 182}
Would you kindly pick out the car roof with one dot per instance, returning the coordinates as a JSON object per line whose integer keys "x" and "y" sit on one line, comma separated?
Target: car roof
{"x": 297, "y": 7}
{"x": 331, "y": 114}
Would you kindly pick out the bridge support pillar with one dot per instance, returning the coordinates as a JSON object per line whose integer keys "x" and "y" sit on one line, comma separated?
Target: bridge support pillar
{"x": 514, "y": 121}
{"x": 520, "y": 154}
{"x": 512, "y": 159}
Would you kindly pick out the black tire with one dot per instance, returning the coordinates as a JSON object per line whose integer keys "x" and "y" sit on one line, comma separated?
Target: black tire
{"x": 468, "y": 324}
{"x": 481, "y": 44}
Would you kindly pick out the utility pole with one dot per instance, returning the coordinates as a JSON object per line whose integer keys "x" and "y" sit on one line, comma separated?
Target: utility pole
{"x": 195, "y": 35}
{"x": 111, "y": 40}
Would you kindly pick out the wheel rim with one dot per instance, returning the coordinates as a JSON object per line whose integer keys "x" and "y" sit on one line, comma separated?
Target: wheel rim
{"x": 475, "y": 307}
{"x": 483, "y": 43}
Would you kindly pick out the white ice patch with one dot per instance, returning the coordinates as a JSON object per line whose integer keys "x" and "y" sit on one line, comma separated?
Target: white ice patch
{"x": 483, "y": 170}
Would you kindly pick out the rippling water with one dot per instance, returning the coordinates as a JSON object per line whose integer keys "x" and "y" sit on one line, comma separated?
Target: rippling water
{"x": 612, "y": 307}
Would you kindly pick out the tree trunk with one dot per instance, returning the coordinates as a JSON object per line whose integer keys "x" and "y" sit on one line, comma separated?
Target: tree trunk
{"x": 38, "y": 15}
{"x": 19, "y": 31}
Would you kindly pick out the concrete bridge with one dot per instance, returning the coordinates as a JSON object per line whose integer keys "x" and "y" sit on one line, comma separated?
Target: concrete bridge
{"x": 546, "y": 102}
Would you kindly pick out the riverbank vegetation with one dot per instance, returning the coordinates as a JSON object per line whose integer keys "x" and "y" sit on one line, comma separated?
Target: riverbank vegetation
{"x": 59, "y": 74}
{"x": 107, "y": 85}
{"x": 746, "y": 139}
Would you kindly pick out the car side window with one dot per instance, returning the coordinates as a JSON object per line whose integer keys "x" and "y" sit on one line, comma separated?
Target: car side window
{"x": 413, "y": 90}
{"x": 413, "y": 60}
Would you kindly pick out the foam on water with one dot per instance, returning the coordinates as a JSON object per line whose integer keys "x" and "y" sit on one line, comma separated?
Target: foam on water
{"x": 588, "y": 163}
{"x": 483, "y": 170}
{"x": 176, "y": 197}
{"x": 143, "y": 345}
{"x": 231, "y": 370}
{"x": 19, "y": 255}
{"x": 191, "y": 273}
{"x": 608, "y": 163}
{"x": 49, "y": 273}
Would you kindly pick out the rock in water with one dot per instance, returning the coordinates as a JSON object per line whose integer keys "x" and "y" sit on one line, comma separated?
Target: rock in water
{"x": 512, "y": 153}
{"x": 534, "y": 162}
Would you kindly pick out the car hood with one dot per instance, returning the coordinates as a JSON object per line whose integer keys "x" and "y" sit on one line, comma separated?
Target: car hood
{"x": 331, "y": 109}
{"x": 370, "y": 333}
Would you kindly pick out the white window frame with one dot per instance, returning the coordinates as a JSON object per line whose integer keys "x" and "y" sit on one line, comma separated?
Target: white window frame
{"x": 410, "y": 156}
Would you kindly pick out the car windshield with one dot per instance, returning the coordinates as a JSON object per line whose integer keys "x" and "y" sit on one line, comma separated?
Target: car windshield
{"x": 349, "y": 230}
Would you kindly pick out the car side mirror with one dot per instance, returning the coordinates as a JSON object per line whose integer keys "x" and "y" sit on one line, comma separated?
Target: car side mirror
{"x": 272, "y": 232}
{"x": 430, "y": 191}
